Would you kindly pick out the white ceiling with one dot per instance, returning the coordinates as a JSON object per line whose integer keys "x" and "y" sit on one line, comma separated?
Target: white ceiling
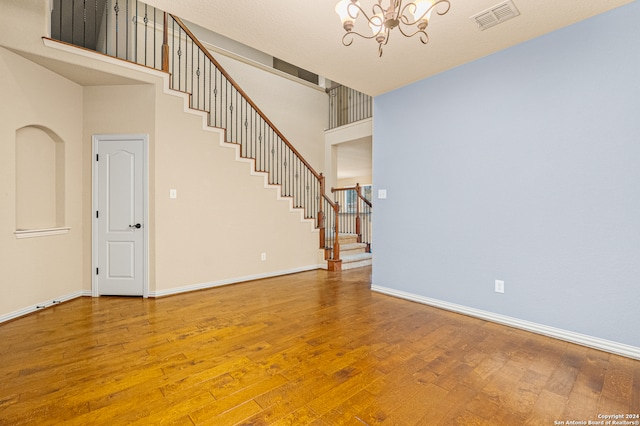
{"x": 308, "y": 33}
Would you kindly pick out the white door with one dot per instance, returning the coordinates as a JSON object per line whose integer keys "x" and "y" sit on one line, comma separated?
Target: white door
{"x": 119, "y": 230}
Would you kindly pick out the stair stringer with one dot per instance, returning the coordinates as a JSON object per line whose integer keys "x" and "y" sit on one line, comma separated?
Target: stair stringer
{"x": 238, "y": 157}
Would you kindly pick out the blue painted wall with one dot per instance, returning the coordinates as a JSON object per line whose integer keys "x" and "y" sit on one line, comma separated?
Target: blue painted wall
{"x": 522, "y": 166}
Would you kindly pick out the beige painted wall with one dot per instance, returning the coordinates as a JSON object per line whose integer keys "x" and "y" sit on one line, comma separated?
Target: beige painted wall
{"x": 362, "y": 180}
{"x": 37, "y": 270}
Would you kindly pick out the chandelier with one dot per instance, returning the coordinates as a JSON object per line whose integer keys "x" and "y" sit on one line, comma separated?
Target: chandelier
{"x": 411, "y": 18}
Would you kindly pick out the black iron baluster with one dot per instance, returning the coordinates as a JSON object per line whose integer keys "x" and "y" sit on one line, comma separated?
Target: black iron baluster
{"x": 241, "y": 125}
{"x": 126, "y": 30}
{"x": 155, "y": 20}
{"x": 198, "y": 84}
{"x": 117, "y": 11}
{"x": 270, "y": 157}
{"x": 211, "y": 112}
{"x": 84, "y": 23}
{"x": 186, "y": 63}
{"x": 95, "y": 22}
{"x": 204, "y": 82}
{"x": 60, "y": 28}
{"x": 135, "y": 34}
{"x": 73, "y": 18}
{"x": 188, "y": 74}
{"x": 218, "y": 90}
{"x": 106, "y": 27}
{"x": 180, "y": 59}
{"x": 172, "y": 55}
{"x": 274, "y": 159}
{"x": 230, "y": 122}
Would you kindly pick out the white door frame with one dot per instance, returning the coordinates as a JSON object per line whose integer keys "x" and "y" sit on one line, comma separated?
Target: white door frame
{"x": 94, "y": 206}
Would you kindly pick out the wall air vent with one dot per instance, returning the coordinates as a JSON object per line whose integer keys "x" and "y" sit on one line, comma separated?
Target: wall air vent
{"x": 495, "y": 15}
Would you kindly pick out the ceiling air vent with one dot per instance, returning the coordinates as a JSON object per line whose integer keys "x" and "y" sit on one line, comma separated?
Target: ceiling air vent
{"x": 495, "y": 15}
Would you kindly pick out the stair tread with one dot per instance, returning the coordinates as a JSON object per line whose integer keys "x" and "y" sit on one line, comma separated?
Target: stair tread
{"x": 352, "y": 246}
{"x": 356, "y": 257}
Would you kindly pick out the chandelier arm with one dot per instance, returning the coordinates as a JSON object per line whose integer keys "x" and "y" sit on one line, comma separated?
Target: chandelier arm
{"x": 424, "y": 37}
{"x": 373, "y": 10}
{"x": 370, "y": 20}
{"x": 383, "y": 43}
{"x": 386, "y": 39}
{"x": 446, "y": 9}
{"x": 347, "y": 42}
{"x": 361, "y": 10}
{"x": 405, "y": 20}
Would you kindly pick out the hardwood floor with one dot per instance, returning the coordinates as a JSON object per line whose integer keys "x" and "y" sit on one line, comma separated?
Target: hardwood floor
{"x": 311, "y": 348}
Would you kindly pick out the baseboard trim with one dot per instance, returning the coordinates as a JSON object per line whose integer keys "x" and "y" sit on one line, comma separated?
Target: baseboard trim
{"x": 212, "y": 284}
{"x": 557, "y": 333}
{"x": 40, "y": 306}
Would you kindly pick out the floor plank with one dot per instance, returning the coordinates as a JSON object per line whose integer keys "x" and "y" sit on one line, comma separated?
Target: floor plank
{"x": 312, "y": 348}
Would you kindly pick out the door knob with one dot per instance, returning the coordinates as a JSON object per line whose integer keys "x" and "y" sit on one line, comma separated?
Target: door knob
{"x": 137, "y": 225}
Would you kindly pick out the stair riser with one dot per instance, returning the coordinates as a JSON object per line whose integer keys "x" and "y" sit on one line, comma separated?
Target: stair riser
{"x": 359, "y": 264}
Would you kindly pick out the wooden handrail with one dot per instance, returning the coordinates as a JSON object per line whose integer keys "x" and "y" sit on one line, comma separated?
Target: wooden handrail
{"x": 353, "y": 188}
{"x": 208, "y": 54}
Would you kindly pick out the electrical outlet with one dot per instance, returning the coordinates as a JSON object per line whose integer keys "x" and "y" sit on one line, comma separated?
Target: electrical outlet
{"x": 173, "y": 193}
{"x": 499, "y": 286}
{"x": 263, "y": 256}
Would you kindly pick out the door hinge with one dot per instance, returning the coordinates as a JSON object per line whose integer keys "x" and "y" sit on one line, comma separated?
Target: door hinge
{"x": 97, "y": 271}
{"x": 97, "y": 215}
{"x": 97, "y": 157}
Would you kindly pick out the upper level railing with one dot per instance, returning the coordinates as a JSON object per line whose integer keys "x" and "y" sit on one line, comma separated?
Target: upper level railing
{"x": 356, "y": 212}
{"x": 139, "y": 33}
{"x": 347, "y": 106}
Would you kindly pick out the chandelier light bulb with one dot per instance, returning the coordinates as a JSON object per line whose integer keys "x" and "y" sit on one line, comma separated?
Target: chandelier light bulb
{"x": 409, "y": 17}
{"x": 422, "y": 12}
{"x": 348, "y": 14}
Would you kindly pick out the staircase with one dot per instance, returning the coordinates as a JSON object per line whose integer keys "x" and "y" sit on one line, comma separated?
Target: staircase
{"x": 144, "y": 35}
{"x": 353, "y": 253}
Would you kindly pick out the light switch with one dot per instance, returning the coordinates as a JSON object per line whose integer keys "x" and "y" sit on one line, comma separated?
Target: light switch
{"x": 382, "y": 194}
{"x": 173, "y": 193}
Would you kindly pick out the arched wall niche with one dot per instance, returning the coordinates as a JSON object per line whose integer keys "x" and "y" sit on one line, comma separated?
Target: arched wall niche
{"x": 40, "y": 179}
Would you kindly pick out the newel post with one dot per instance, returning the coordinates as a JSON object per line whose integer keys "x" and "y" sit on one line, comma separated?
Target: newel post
{"x": 336, "y": 241}
{"x": 165, "y": 44}
{"x": 335, "y": 264}
{"x": 321, "y": 225}
{"x": 358, "y": 229}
